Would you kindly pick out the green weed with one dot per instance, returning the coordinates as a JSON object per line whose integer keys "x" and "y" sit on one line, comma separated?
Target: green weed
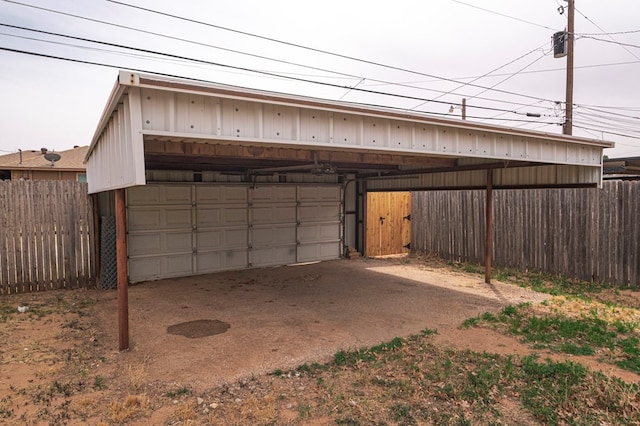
{"x": 178, "y": 392}
{"x": 348, "y": 358}
{"x": 100, "y": 383}
{"x": 575, "y": 336}
{"x": 304, "y": 410}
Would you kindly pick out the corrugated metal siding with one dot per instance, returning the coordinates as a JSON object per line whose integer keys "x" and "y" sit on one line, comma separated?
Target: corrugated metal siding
{"x": 158, "y": 108}
{"x": 211, "y": 117}
{"x": 117, "y": 160}
{"x": 188, "y": 176}
{"x": 524, "y": 176}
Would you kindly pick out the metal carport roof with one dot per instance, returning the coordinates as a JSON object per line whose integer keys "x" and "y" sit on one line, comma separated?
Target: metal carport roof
{"x": 153, "y": 122}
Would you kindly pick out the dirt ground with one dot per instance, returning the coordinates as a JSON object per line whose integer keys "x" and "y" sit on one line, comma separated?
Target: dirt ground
{"x": 280, "y": 318}
{"x": 202, "y": 332}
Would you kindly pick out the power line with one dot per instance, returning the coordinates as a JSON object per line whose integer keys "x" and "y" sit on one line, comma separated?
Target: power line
{"x": 233, "y": 67}
{"x": 184, "y": 40}
{"x": 273, "y": 59}
{"x": 621, "y": 122}
{"x": 609, "y": 125}
{"x": 326, "y": 52}
{"x": 614, "y": 42}
{"x": 304, "y": 80}
{"x": 610, "y": 35}
{"x": 521, "y": 72}
{"x": 604, "y": 32}
{"x": 607, "y": 112}
{"x": 267, "y": 74}
{"x": 511, "y": 75}
{"x": 482, "y": 76}
{"x": 607, "y": 132}
{"x": 279, "y": 76}
{"x": 500, "y": 14}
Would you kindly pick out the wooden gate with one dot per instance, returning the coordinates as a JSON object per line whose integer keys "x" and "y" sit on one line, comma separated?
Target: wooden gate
{"x": 388, "y": 223}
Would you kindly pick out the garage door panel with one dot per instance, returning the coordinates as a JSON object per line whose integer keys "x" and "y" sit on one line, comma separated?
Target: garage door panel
{"x": 179, "y": 265}
{"x": 178, "y": 218}
{"x": 145, "y": 244}
{"x": 158, "y": 218}
{"x": 221, "y": 261}
{"x": 206, "y": 194}
{"x": 157, "y": 267}
{"x": 142, "y": 196}
{"x": 261, "y": 214}
{"x": 235, "y": 216}
{"x": 154, "y": 195}
{"x": 176, "y": 194}
{"x": 229, "y": 215}
{"x": 157, "y": 243}
{"x": 143, "y": 219}
{"x": 319, "y": 193}
{"x": 271, "y": 256}
{"x": 318, "y": 212}
{"x": 318, "y": 232}
{"x": 273, "y": 235}
{"x": 318, "y": 251}
{"x": 220, "y": 239}
{"x": 274, "y": 194}
{"x": 208, "y": 216}
{"x": 146, "y": 268}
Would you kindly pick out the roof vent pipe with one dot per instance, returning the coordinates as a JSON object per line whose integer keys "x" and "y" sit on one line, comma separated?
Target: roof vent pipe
{"x": 43, "y": 150}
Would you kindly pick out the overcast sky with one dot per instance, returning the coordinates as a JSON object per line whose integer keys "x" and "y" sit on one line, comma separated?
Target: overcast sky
{"x": 501, "y": 49}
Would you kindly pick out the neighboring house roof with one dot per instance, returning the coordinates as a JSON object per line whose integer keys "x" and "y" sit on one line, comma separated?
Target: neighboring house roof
{"x": 627, "y": 168}
{"x": 628, "y": 165}
{"x": 70, "y": 160}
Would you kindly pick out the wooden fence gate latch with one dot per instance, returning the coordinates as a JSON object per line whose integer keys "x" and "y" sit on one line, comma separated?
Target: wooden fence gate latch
{"x": 407, "y": 217}
{"x": 382, "y": 220}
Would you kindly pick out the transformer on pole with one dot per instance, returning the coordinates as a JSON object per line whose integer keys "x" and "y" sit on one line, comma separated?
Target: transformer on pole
{"x": 563, "y": 46}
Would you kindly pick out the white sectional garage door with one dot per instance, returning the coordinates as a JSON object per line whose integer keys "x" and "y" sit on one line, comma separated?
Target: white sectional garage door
{"x": 183, "y": 229}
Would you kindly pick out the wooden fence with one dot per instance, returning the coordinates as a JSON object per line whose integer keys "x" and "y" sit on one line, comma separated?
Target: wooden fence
{"x": 590, "y": 234}
{"x": 46, "y": 236}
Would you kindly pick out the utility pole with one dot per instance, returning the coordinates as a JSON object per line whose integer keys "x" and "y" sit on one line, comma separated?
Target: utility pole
{"x": 568, "y": 123}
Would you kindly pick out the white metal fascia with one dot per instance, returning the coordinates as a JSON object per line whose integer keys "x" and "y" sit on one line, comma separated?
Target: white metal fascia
{"x": 137, "y": 138}
{"x": 264, "y": 97}
{"x": 117, "y": 160}
{"x": 114, "y": 98}
{"x": 345, "y": 126}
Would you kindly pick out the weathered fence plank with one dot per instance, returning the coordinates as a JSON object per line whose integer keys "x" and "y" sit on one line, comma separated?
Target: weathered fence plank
{"x": 589, "y": 234}
{"x": 46, "y": 236}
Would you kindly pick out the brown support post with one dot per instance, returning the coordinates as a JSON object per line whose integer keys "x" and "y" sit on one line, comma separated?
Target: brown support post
{"x": 488, "y": 248}
{"x": 121, "y": 262}
{"x": 364, "y": 218}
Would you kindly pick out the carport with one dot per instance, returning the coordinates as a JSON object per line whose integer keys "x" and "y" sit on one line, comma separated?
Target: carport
{"x": 203, "y": 177}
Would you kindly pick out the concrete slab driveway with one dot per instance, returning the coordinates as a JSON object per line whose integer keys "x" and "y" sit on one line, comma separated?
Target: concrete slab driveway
{"x": 254, "y": 321}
